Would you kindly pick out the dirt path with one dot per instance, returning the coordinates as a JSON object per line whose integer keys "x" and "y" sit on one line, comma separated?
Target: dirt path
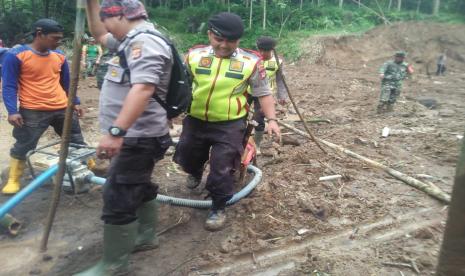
{"x": 347, "y": 227}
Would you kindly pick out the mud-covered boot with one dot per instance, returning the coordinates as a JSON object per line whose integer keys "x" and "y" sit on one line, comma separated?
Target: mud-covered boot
{"x": 258, "y": 137}
{"x": 147, "y": 238}
{"x": 380, "y": 108}
{"x": 390, "y": 108}
{"x": 215, "y": 220}
{"x": 193, "y": 182}
{"x": 118, "y": 243}
{"x": 16, "y": 170}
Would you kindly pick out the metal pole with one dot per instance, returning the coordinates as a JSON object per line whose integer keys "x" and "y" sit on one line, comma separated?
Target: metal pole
{"x": 452, "y": 257}
{"x": 295, "y": 105}
{"x": 65, "y": 137}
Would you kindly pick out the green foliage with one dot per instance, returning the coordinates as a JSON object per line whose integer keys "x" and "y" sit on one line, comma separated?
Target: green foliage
{"x": 185, "y": 24}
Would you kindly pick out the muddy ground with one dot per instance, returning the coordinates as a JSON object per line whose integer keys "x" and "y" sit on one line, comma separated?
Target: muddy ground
{"x": 294, "y": 224}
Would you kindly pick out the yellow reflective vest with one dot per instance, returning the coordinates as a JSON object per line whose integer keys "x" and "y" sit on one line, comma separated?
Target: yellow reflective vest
{"x": 271, "y": 67}
{"x": 219, "y": 91}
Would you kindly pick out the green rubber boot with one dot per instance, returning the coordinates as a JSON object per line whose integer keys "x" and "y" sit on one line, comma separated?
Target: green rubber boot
{"x": 147, "y": 238}
{"x": 118, "y": 243}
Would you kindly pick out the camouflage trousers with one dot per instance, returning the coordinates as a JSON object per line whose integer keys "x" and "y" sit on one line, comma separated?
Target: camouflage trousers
{"x": 389, "y": 94}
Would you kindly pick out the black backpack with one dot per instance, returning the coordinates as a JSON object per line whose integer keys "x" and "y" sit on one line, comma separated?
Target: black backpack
{"x": 179, "y": 96}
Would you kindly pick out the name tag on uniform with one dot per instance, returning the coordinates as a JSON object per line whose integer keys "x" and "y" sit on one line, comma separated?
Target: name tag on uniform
{"x": 234, "y": 75}
{"x": 200, "y": 71}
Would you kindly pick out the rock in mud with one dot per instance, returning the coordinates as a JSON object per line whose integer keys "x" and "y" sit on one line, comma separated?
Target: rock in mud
{"x": 429, "y": 103}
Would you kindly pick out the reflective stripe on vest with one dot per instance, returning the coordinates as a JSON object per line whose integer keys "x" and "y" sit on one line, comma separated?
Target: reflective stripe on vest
{"x": 220, "y": 84}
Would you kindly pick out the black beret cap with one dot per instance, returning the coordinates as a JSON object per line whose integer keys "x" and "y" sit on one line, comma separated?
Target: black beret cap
{"x": 47, "y": 26}
{"x": 227, "y": 25}
{"x": 266, "y": 43}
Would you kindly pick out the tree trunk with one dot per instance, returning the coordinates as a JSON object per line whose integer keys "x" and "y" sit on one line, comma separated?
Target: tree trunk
{"x": 389, "y": 5}
{"x": 451, "y": 257}
{"x": 46, "y": 8}
{"x": 301, "y": 7}
{"x": 246, "y": 4}
{"x": 341, "y": 2}
{"x": 399, "y": 5}
{"x": 436, "y": 4}
{"x": 33, "y": 7}
{"x": 418, "y": 6}
{"x": 2, "y": 4}
{"x": 13, "y": 4}
{"x": 264, "y": 15}
{"x": 229, "y": 6}
{"x": 250, "y": 14}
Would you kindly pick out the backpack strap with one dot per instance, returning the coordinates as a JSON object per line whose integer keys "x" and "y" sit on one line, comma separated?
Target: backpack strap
{"x": 124, "y": 64}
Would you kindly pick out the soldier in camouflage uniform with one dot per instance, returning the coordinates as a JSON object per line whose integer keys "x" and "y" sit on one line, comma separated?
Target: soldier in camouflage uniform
{"x": 392, "y": 73}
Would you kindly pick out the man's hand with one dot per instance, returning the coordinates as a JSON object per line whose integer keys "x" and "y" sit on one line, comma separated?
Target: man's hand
{"x": 109, "y": 146}
{"x": 16, "y": 120}
{"x": 79, "y": 111}
{"x": 381, "y": 76}
{"x": 274, "y": 128}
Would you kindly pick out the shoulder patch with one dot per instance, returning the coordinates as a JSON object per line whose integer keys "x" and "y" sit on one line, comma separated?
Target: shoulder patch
{"x": 206, "y": 62}
{"x": 136, "y": 49}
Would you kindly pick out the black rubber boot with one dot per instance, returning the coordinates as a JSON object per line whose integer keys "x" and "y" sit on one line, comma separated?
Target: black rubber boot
{"x": 215, "y": 220}
{"x": 193, "y": 182}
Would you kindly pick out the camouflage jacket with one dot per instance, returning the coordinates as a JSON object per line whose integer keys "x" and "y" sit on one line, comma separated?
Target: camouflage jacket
{"x": 394, "y": 73}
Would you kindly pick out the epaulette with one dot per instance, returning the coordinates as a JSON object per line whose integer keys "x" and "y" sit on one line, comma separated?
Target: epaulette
{"x": 251, "y": 54}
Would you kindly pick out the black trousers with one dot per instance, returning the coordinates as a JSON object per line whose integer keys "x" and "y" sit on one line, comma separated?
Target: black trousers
{"x": 221, "y": 142}
{"x": 35, "y": 124}
{"x": 129, "y": 183}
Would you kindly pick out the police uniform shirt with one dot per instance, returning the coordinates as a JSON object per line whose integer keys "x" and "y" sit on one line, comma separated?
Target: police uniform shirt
{"x": 149, "y": 60}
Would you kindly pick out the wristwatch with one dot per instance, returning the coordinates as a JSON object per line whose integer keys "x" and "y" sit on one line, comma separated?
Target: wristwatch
{"x": 116, "y": 131}
{"x": 272, "y": 119}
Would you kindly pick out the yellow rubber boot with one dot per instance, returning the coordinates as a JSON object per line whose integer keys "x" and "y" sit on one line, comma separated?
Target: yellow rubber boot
{"x": 16, "y": 170}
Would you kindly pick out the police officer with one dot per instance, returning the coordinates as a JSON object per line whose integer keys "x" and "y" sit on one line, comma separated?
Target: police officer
{"x": 215, "y": 126}
{"x": 135, "y": 127}
{"x": 265, "y": 46}
{"x": 392, "y": 73}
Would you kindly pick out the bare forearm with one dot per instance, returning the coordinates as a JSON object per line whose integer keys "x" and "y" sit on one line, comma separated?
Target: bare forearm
{"x": 134, "y": 105}
{"x": 268, "y": 106}
{"x": 96, "y": 27}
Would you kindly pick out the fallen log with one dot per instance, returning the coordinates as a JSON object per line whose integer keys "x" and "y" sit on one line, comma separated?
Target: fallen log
{"x": 431, "y": 190}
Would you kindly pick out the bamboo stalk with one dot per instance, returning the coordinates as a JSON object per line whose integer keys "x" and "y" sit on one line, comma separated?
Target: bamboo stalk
{"x": 65, "y": 137}
{"x": 431, "y": 190}
{"x": 295, "y": 105}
